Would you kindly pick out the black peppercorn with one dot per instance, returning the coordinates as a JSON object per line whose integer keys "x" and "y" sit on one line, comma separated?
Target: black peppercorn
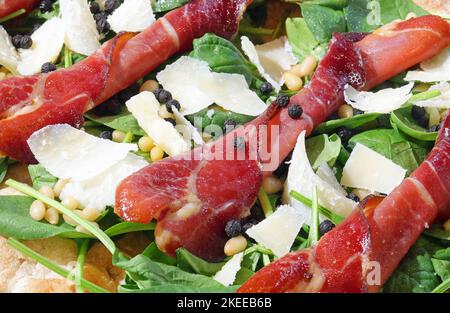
{"x": 171, "y": 121}
{"x": 353, "y": 197}
{"x": 282, "y": 100}
{"x": 173, "y": 103}
{"x": 45, "y": 6}
{"x": 94, "y": 7}
{"x": 434, "y": 128}
{"x": 48, "y": 67}
{"x": 266, "y": 88}
{"x": 107, "y": 134}
{"x": 164, "y": 96}
{"x": 295, "y": 111}
{"x": 325, "y": 227}
{"x": 345, "y": 134}
{"x": 233, "y": 228}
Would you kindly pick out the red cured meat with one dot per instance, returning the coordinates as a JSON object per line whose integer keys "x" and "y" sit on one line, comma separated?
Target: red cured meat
{"x": 147, "y": 194}
{"x": 64, "y": 95}
{"x": 378, "y": 233}
{"x": 10, "y": 6}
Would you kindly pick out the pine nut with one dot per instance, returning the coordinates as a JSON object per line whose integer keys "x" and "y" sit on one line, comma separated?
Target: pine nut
{"x": 47, "y": 191}
{"x": 118, "y": 136}
{"x": 272, "y": 184}
{"x": 292, "y": 81}
{"x": 146, "y": 144}
{"x": 307, "y": 67}
{"x": 235, "y": 245}
{"x": 37, "y": 210}
{"x": 156, "y": 154}
{"x": 447, "y": 225}
{"x": 71, "y": 203}
{"x": 345, "y": 111}
{"x": 59, "y": 186}
{"x": 70, "y": 220}
{"x": 52, "y": 216}
{"x": 149, "y": 85}
{"x": 90, "y": 214}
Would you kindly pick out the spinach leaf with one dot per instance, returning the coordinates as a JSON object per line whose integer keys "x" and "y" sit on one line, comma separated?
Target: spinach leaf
{"x": 360, "y": 16}
{"x": 167, "y": 5}
{"x": 398, "y": 9}
{"x": 41, "y": 177}
{"x": 334, "y": 4}
{"x": 323, "y": 149}
{"x": 157, "y": 255}
{"x": 403, "y": 120}
{"x": 438, "y": 232}
{"x": 3, "y": 168}
{"x": 391, "y": 144}
{"x": 350, "y": 122}
{"x": 323, "y": 21}
{"x": 193, "y": 264}
{"x": 128, "y": 227}
{"x": 159, "y": 277}
{"x": 302, "y": 39}
{"x": 223, "y": 57}
{"x": 124, "y": 121}
{"x": 416, "y": 272}
{"x": 216, "y": 116}
{"x": 15, "y": 221}
{"x": 441, "y": 263}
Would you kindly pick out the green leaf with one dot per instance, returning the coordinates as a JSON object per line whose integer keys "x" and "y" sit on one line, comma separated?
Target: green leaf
{"x": 15, "y": 221}
{"x": 124, "y": 121}
{"x": 438, "y": 232}
{"x": 357, "y": 14}
{"x": 223, "y": 57}
{"x": 128, "y": 227}
{"x": 398, "y": 9}
{"x": 441, "y": 263}
{"x": 323, "y": 149}
{"x": 3, "y": 168}
{"x": 394, "y": 146}
{"x": 41, "y": 177}
{"x": 158, "y": 277}
{"x": 302, "y": 39}
{"x": 416, "y": 272}
{"x": 323, "y": 21}
{"x": 167, "y": 5}
{"x": 157, "y": 255}
{"x": 403, "y": 120}
{"x": 193, "y": 264}
{"x": 216, "y": 116}
{"x": 350, "y": 122}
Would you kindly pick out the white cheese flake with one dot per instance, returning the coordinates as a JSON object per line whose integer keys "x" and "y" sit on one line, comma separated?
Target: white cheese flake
{"x": 436, "y": 69}
{"x": 301, "y": 178}
{"x": 196, "y": 87}
{"x": 70, "y": 153}
{"x": 98, "y": 192}
{"x": 186, "y": 129}
{"x": 81, "y": 31}
{"x": 9, "y": 57}
{"x": 382, "y": 101}
{"x": 272, "y": 59}
{"x": 227, "y": 274}
{"x": 132, "y": 16}
{"x": 442, "y": 101}
{"x": 144, "y": 108}
{"x": 48, "y": 41}
{"x": 278, "y": 231}
{"x": 370, "y": 170}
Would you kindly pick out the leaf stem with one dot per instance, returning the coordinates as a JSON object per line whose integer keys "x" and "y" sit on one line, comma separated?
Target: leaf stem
{"x": 443, "y": 287}
{"x": 89, "y": 226}
{"x": 53, "y": 266}
{"x": 259, "y": 31}
{"x": 314, "y": 228}
{"x": 12, "y": 15}
{"x": 336, "y": 219}
{"x": 265, "y": 202}
{"x": 80, "y": 264}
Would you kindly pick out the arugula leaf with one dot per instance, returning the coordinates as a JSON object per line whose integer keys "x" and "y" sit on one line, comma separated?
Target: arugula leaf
{"x": 403, "y": 120}
{"x": 167, "y": 5}
{"x": 416, "y": 271}
{"x": 3, "y": 168}
{"x": 216, "y": 116}
{"x": 323, "y": 21}
{"x": 159, "y": 277}
{"x": 193, "y": 264}
{"x": 302, "y": 39}
{"x": 41, "y": 177}
{"x": 323, "y": 149}
{"x": 124, "y": 121}
{"x": 350, "y": 122}
{"x": 394, "y": 146}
